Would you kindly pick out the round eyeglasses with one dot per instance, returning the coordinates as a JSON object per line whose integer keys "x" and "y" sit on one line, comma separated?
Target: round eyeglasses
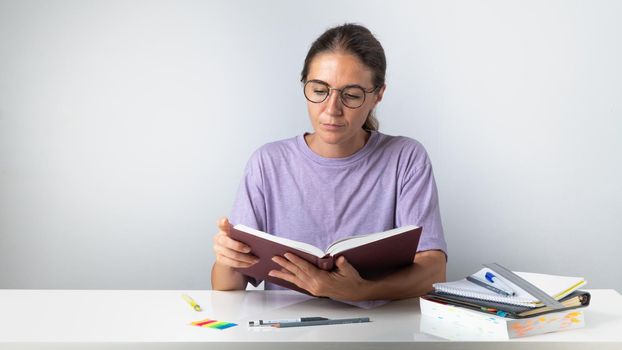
{"x": 352, "y": 96}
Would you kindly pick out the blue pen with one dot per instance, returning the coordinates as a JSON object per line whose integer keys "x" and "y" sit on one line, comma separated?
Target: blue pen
{"x": 490, "y": 277}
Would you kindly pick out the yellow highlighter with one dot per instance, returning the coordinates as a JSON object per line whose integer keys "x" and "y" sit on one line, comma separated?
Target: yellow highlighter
{"x": 191, "y": 302}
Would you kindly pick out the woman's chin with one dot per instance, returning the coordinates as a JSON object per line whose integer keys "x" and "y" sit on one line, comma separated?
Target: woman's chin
{"x": 331, "y": 137}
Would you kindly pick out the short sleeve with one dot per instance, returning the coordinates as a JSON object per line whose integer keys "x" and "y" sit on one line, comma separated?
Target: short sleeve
{"x": 249, "y": 207}
{"x": 418, "y": 205}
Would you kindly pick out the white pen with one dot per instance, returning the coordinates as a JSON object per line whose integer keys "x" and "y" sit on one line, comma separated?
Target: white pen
{"x": 259, "y": 323}
{"x": 497, "y": 282}
{"x": 487, "y": 285}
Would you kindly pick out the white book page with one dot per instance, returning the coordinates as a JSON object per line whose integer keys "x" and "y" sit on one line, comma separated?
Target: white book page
{"x": 305, "y": 247}
{"x": 359, "y": 240}
{"x": 553, "y": 285}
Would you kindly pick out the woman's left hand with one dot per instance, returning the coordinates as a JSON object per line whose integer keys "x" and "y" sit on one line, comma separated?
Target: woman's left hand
{"x": 343, "y": 283}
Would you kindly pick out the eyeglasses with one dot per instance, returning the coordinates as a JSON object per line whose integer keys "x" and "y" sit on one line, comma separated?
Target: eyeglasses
{"x": 352, "y": 96}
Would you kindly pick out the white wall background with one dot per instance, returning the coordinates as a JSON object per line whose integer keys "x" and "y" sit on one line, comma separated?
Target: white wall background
{"x": 125, "y": 126}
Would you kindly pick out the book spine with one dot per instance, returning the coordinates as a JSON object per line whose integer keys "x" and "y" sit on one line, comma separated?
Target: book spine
{"x": 326, "y": 263}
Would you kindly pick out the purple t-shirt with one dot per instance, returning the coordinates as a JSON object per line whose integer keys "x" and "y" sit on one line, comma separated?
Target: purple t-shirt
{"x": 290, "y": 191}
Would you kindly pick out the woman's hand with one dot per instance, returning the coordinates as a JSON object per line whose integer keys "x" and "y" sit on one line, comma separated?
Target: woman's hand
{"x": 343, "y": 283}
{"x": 229, "y": 252}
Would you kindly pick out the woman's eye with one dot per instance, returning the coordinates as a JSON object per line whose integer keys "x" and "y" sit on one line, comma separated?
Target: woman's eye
{"x": 352, "y": 97}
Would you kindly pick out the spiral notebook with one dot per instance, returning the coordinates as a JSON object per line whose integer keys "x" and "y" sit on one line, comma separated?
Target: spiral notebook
{"x": 553, "y": 285}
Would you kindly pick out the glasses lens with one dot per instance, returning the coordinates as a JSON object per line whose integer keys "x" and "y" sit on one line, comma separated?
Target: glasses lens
{"x": 353, "y": 96}
{"x": 316, "y": 92}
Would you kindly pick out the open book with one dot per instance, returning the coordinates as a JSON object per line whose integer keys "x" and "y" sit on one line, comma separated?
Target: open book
{"x": 372, "y": 255}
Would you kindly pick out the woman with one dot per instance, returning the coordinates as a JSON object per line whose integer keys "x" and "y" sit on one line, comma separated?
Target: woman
{"x": 345, "y": 178}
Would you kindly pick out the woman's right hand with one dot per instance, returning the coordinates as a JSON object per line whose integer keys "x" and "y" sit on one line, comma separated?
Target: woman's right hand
{"x": 230, "y": 252}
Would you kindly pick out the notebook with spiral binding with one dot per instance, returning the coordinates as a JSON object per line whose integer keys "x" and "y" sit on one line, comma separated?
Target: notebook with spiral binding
{"x": 535, "y": 284}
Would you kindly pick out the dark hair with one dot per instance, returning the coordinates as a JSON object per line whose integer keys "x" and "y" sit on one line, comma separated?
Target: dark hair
{"x": 358, "y": 41}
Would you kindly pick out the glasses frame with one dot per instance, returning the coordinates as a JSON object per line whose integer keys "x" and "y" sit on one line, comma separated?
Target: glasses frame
{"x": 341, "y": 98}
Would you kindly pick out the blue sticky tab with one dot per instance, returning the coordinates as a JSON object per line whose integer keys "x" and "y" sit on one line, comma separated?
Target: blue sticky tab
{"x": 225, "y": 326}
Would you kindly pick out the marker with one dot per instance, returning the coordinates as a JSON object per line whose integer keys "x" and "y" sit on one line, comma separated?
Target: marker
{"x": 494, "y": 279}
{"x": 487, "y": 286}
{"x": 501, "y": 313}
{"x": 259, "y": 323}
{"x": 322, "y": 322}
{"x": 489, "y": 309}
{"x": 191, "y": 302}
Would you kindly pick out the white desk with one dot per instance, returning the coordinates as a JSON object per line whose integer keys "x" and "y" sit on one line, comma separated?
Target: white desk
{"x": 61, "y": 319}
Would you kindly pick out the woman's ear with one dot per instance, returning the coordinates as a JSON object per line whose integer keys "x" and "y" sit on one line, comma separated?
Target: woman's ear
{"x": 380, "y": 94}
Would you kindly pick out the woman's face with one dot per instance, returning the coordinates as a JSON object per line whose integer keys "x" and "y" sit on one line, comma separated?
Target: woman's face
{"x": 335, "y": 124}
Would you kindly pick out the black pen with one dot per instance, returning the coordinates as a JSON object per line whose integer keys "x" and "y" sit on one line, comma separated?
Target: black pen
{"x": 322, "y": 322}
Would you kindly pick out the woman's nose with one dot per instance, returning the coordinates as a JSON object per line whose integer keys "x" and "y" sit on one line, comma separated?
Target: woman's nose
{"x": 334, "y": 106}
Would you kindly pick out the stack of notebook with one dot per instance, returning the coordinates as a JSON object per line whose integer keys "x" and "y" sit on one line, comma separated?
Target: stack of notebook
{"x": 495, "y": 303}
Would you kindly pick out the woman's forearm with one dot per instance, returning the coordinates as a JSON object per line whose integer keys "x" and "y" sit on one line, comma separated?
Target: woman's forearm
{"x": 226, "y": 278}
{"x": 428, "y": 268}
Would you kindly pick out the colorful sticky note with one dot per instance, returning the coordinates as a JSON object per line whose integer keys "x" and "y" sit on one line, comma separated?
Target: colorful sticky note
{"x": 214, "y": 324}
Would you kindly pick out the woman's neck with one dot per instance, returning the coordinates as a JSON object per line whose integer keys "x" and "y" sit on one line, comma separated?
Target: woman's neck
{"x": 342, "y": 149}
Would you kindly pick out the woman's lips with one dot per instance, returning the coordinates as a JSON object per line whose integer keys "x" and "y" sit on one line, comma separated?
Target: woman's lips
{"x": 329, "y": 127}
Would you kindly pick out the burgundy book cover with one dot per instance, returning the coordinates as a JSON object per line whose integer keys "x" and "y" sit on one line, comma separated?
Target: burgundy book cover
{"x": 372, "y": 260}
